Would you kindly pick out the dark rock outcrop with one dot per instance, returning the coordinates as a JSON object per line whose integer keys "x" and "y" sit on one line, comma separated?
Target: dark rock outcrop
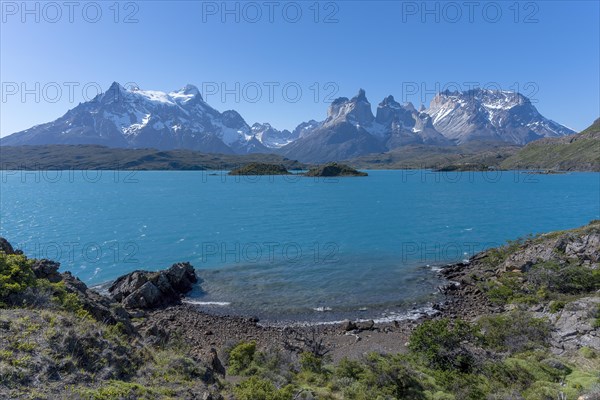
{"x": 333, "y": 170}
{"x": 46, "y": 269}
{"x": 100, "y": 307}
{"x": 257, "y": 168}
{"x": 6, "y": 247}
{"x": 146, "y": 290}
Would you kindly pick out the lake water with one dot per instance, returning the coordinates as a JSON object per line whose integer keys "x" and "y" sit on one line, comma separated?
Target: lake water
{"x": 287, "y": 248}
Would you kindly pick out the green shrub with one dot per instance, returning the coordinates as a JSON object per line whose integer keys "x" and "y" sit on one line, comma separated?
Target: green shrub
{"x": 260, "y": 389}
{"x": 241, "y": 356}
{"x": 596, "y": 322}
{"x": 349, "y": 369}
{"x": 310, "y": 362}
{"x": 442, "y": 344}
{"x": 122, "y": 390}
{"x": 15, "y": 274}
{"x": 504, "y": 289}
{"x": 514, "y": 332}
{"x": 588, "y": 352}
{"x": 564, "y": 278}
{"x": 556, "y": 306}
{"x": 392, "y": 376}
{"x": 464, "y": 386}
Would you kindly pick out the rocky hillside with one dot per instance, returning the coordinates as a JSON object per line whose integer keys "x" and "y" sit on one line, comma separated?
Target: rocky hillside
{"x": 59, "y": 339}
{"x": 554, "y": 276}
{"x": 580, "y": 152}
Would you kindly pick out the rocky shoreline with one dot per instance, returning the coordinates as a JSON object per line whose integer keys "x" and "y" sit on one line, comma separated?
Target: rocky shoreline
{"x": 149, "y": 305}
{"x": 148, "y": 311}
{"x": 154, "y": 301}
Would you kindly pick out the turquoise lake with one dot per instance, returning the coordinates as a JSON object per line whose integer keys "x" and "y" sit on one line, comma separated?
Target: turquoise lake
{"x": 287, "y": 248}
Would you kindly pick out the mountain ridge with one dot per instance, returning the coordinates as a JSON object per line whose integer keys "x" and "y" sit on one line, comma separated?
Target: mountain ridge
{"x": 181, "y": 119}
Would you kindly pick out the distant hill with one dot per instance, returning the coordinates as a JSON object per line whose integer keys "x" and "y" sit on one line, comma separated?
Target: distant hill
{"x": 256, "y": 168}
{"x": 481, "y": 154}
{"x": 580, "y": 152}
{"x": 63, "y": 157}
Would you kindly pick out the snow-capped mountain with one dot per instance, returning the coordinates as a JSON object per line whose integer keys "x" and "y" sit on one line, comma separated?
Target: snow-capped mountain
{"x": 271, "y": 137}
{"x": 452, "y": 118}
{"x": 402, "y": 124}
{"x": 144, "y": 118}
{"x": 351, "y": 130}
{"x": 481, "y": 114}
{"x": 137, "y": 118}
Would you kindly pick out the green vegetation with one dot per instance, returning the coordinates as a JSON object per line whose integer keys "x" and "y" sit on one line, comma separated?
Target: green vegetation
{"x": 469, "y": 156}
{"x": 441, "y": 344}
{"x": 548, "y": 281}
{"x": 123, "y": 390}
{"x": 240, "y": 357}
{"x": 76, "y": 157}
{"x": 446, "y": 360}
{"x": 554, "y": 282}
{"x": 261, "y": 389}
{"x": 580, "y": 152}
{"x": 52, "y": 347}
{"x": 333, "y": 170}
{"x": 256, "y": 168}
{"x": 83, "y": 358}
{"x": 514, "y": 332}
{"x": 19, "y": 286}
{"x": 15, "y": 274}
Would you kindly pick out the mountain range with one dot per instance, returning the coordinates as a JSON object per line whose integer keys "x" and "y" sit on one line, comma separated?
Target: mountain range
{"x": 134, "y": 118}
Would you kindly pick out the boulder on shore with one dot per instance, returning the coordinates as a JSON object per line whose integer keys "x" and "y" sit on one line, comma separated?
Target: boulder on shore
{"x": 145, "y": 290}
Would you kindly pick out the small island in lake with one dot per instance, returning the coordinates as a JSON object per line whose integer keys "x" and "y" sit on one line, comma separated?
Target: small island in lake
{"x": 257, "y": 168}
{"x": 334, "y": 169}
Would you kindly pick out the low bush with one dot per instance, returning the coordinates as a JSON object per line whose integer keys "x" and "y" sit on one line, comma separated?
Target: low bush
{"x": 514, "y": 332}
{"x": 240, "y": 357}
{"x": 261, "y": 389}
{"x": 556, "y": 306}
{"x": 16, "y": 275}
{"x": 564, "y": 278}
{"x": 311, "y": 363}
{"x": 444, "y": 345}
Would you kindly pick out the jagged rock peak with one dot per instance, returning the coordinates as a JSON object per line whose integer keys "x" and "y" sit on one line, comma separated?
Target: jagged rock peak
{"x": 361, "y": 96}
{"x": 389, "y": 101}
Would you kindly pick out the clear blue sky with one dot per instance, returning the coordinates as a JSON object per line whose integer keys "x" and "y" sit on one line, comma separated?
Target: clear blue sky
{"x": 550, "y": 50}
